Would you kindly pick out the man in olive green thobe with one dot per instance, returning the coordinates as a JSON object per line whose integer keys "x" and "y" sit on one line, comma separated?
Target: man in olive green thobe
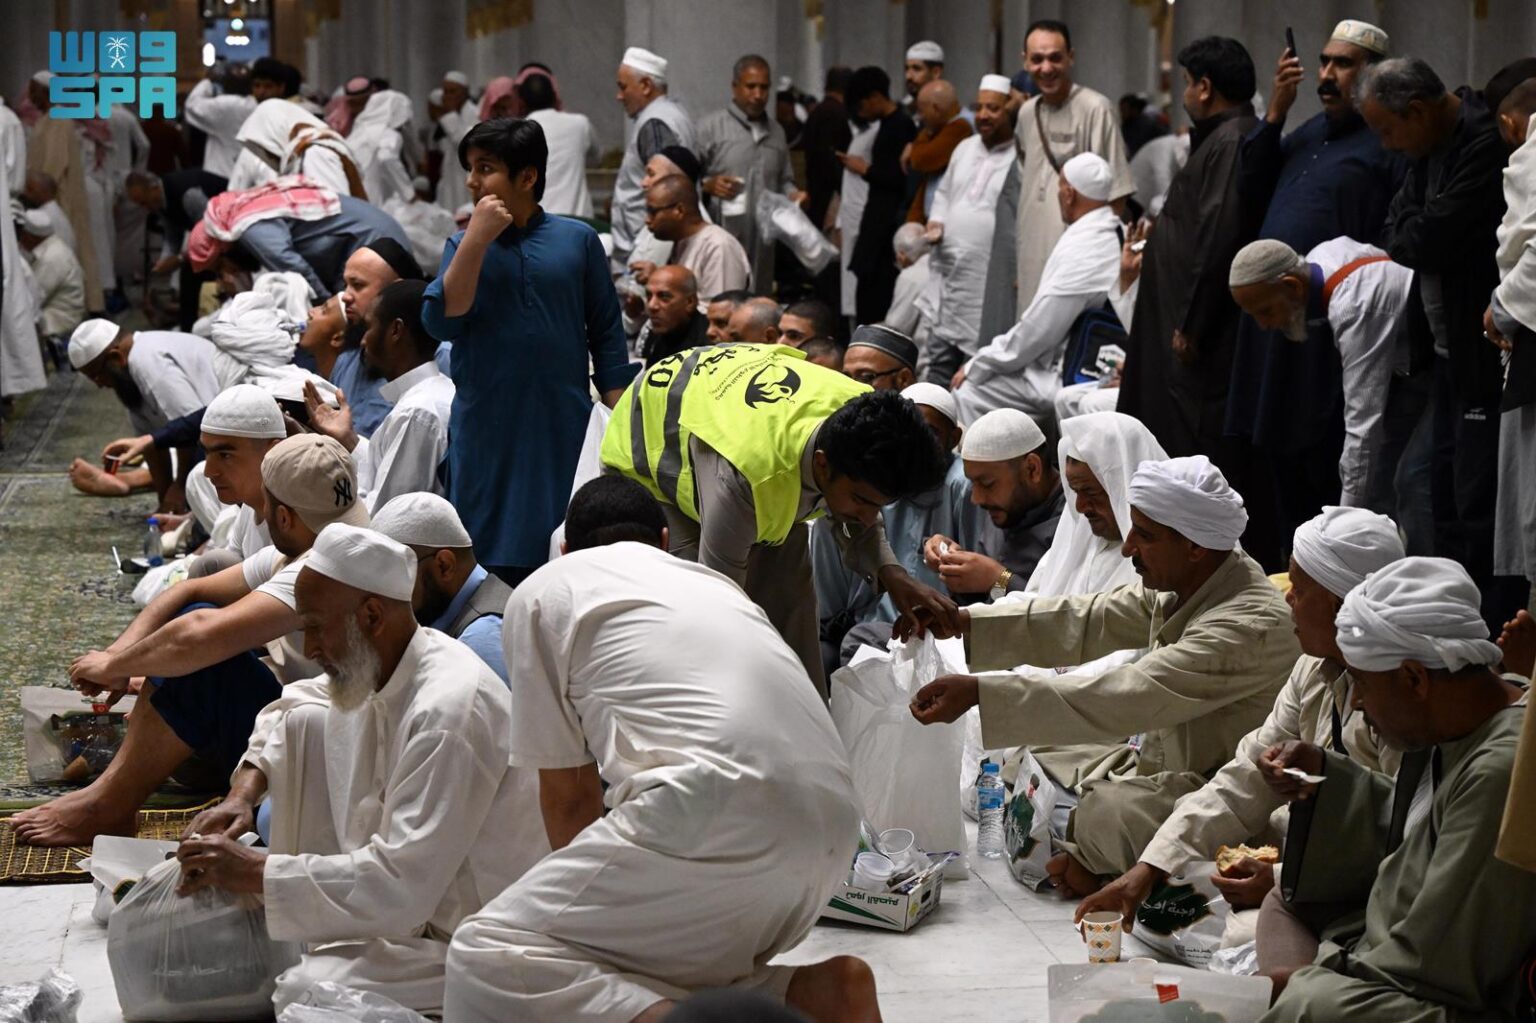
{"x": 1446, "y": 925}
{"x": 1221, "y": 647}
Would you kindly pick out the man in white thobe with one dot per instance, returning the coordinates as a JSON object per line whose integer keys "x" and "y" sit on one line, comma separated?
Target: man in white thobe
{"x": 960, "y": 223}
{"x": 1331, "y": 555}
{"x": 732, "y": 814}
{"x": 459, "y": 115}
{"x": 1064, "y": 120}
{"x": 41, "y": 193}
{"x": 656, "y": 121}
{"x": 572, "y": 148}
{"x": 21, "y": 363}
{"x": 395, "y": 813}
{"x": 1022, "y": 368}
{"x": 1357, "y": 296}
{"x": 218, "y": 115}
{"x": 406, "y": 450}
{"x": 59, "y": 282}
{"x": 911, "y": 310}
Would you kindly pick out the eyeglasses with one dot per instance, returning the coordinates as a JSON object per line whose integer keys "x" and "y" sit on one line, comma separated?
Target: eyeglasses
{"x": 867, "y": 378}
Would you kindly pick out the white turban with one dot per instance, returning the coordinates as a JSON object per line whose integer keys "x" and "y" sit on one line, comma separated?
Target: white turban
{"x": 435, "y": 97}
{"x": 1090, "y": 175}
{"x": 421, "y": 183}
{"x": 253, "y": 331}
{"x": 1342, "y": 546}
{"x": 244, "y": 410}
{"x": 422, "y": 519}
{"x": 995, "y": 83}
{"x": 1262, "y": 262}
{"x": 1001, "y": 435}
{"x": 1415, "y": 609}
{"x": 927, "y": 50}
{"x": 36, "y": 223}
{"x": 935, "y": 397}
{"x": 457, "y": 78}
{"x": 1190, "y": 495}
{"x": 89, "y": 340}
{"x": 364, "y": 559}
{"x": 646, "y": 63}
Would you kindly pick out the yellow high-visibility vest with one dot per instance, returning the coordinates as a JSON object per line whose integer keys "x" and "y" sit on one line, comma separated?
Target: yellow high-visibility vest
{"x": 756, "y": 405}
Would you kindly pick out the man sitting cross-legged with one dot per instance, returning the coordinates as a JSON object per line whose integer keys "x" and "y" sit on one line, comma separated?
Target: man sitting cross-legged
{"x": 395, "y": 813}
{"x": 1221, "y": 647}
{"x": 732, "y": 814}
{"x": 196, "y": 644}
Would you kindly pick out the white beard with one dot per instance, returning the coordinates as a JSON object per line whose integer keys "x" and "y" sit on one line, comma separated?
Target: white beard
{"x": 1296, "y": 329}
{"x": 357, "y": 672}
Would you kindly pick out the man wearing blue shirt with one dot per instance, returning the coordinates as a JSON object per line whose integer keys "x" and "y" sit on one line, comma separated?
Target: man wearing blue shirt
{"x": 454, "y": 594}
{"x": 317, "y": 249}
{"x": 528, "y": 303}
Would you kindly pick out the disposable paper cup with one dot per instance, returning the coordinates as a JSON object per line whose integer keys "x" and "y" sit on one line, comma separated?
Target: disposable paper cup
{"x": 1101, "y": 931}
{"x": 900, "y": 844}
{"x": 111, "y": 463}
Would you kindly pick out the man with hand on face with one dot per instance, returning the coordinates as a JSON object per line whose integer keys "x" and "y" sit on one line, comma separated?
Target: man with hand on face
{"x": 1447, "y": 925}
{"x": 529, "y": 304}
{"x": 395, "y": 814}
{"x": 773, "y": 442}
{"x": 1015, "y": 481}
{"x": 673, "y": 322}
{"x": 454, "y": 594}
{"x": 406, "y": 452}
{"x": 1220, "y": 643}
{"x": 1331, "y": 555}
{"x": 744, "y": 152}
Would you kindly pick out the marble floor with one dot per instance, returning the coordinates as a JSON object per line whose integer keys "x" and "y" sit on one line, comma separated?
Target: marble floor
{"x": 981, "y": 955}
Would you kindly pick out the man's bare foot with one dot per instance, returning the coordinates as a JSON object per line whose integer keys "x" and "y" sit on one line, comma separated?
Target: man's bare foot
{"x": 96, "y": 481}
{"x": 836, "y": 990}
{"x": 74, "y": 819}
{"x": 1518, "y": 641}
{"x": 656, "y": 1012}
{"x": 1071, "y": 878}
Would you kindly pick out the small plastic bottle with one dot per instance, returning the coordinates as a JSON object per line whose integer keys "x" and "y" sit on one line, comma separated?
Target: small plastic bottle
{"x": 152, "y": 548}
{"x": 989, "y": 813}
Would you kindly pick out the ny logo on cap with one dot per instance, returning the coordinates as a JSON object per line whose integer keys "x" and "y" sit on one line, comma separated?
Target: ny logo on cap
{"x": 343, "y": 488}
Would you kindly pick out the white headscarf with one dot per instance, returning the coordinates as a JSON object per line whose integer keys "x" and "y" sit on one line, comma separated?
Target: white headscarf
{"x": 1112, "y": 445}
{"x": 289, "y": 291}
{"x": 387, "y": 112}
{"x": 1415, "y": 609}
{"x": 1191, "y": 495}
{"x": 250, "y": 331}
{"x": 1341, "y": 546}
{"x": 269, "y": 127}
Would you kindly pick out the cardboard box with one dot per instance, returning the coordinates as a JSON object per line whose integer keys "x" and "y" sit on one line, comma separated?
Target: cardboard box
{"x": 891, "y": 911}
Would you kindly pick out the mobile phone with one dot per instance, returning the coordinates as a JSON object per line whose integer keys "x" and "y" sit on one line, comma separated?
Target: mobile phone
{"x": 298, "y": 410}
{"x": 1290, "y": 42}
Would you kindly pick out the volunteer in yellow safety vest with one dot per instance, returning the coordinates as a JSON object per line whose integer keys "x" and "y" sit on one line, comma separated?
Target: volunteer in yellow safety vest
{"x": 743, "y": 444}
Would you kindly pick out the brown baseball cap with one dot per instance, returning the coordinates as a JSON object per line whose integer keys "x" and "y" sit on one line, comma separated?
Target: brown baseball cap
{"x": 313, "y": 475}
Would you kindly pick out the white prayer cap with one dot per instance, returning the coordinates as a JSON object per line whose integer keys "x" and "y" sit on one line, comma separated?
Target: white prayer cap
{"x": 1364, "y": 35}
{"x": 927, "y": 50}
{"x": 1263, "y": 262}
{"x": 1342, "y": 546}
{"x": 1190, "y": 495}
{"x": 1000, "y": 435}
{"x": 645, "y": 62}
{"x": 89, "y": 340}
{"x": 420, "y": 183}
{"x": 35, "y": 223}
{"x": 435, "y": 97}
{"x": 995, "y": 83}
{"x": 43, "y": 77}
{"x": 364, "y": 559}
{"x": 244, "y": 410}
{"x": 422, "y": 519}
{"x": 457, "y": 78}
{"x": 1415, "y": 609}
{"x": 935, "y": 397}
{"x": 1090, "y": 175}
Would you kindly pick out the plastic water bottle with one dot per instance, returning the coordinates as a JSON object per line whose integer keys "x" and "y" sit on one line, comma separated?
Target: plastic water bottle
{"x": 989, "y": 813}
{"x": 152, "y": 549}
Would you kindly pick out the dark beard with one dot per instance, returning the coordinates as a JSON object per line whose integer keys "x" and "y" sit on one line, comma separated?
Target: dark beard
{"x": 352, "y": 339}
{"x": 433, "y": 600}
{"x": 128, "y": 392}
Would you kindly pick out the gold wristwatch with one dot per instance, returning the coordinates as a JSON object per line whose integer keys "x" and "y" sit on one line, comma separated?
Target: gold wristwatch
{"x": 1001, "y": 586}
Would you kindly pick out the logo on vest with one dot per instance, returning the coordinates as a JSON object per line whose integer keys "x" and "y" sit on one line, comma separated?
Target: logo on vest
{"x": 771, "y": 385}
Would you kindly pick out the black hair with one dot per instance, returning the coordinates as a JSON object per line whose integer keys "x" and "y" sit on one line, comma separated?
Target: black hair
{"x": 736, "y": 296}
{"x": 1225, "y": 62}
{"x": 516, "y": 142}
{"x": 243, "y": 258}
{"x": 273, "y": 70}
{"x": 865, "y": 82}
{"x": 837, "y": 78}
{"x": 1049, "y": 25}
{"x": 751, "y": 60}
{"x": 612, "y": 509}
{"x": 402, "y": 301}
{"x": 821, "y": 345}
{"x": 1506, "y": 80}
{"x": 823, "y": 319}
{"x": 537, "y": 93}
{"x": 236, "y": 80}
{"x": 881, "y": 439}
{"x": 378, "y": 84}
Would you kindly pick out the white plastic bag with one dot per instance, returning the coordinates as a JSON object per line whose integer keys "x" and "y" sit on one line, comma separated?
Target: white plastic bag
{"x": 53, "y": 743}
{"x": 204, "y": 956}
{"x": 54, "y": 999}
{"x": 1185, "y": 916}
{"x": 328, "y": 1002}
{"x": 778, "y": 219}
{"x": 159, "y": 579}
{"x": 1027, "y": 824}
{"x": 588, "y": 465}
{"x": 116, "y": 861}
{"x": 905, "y": 773}
{"x": 1142, "y": 993}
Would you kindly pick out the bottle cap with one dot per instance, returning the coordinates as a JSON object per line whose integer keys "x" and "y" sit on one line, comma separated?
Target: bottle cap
{"x": 990, "y": 768}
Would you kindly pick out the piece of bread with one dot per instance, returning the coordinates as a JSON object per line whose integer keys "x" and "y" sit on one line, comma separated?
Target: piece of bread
{"x": 1229, "y": 856}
